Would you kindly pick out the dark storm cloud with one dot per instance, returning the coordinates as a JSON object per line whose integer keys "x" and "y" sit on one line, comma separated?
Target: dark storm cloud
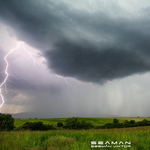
{"x": 90, "y": 46}
{"x": 30, "y": 85}
{"x": 89, "y": 64}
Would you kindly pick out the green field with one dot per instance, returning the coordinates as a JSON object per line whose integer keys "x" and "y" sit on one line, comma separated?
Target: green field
{"x": 94, "y": 121}
{"x": 74, "y": 139}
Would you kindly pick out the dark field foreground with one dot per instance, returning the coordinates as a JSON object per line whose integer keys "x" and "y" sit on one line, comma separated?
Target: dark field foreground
{"x": 74, "y": 139}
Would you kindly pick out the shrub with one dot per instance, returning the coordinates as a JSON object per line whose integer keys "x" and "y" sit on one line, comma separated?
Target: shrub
{"x": 132, "y": 122}
{"x": 115, "y": 121}
{"x": 60, "y": 124}
{"x": 74, "y": 123}
{"x": 85, "y": 125}
{"x": 107, "y": 126}
{"x": 6, "y": 122}
{"x": 36, "y": 126}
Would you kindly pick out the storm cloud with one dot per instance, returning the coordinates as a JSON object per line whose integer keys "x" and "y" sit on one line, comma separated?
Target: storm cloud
{"x": 85, "y": 58}
{"x": 90, "y": 45}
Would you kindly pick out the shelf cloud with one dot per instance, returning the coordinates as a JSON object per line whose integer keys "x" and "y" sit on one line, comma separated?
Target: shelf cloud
{"x": 90, "y": 45}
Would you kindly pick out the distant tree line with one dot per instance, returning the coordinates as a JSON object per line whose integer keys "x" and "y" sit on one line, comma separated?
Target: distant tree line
{"x": 125, "y": 124}
{"x": 7, "y": 124}
{"x": 74, "y": 123}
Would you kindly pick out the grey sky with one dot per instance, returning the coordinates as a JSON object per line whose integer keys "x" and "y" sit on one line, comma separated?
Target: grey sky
{"x": 92, "y": 57}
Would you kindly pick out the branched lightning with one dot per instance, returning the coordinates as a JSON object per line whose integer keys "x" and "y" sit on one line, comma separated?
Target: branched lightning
{"x": 6, "y": 72}
{"x": 3, "y": 84}
{"x": 7, "y": 66}
{"x": 34, "y": 62}
{"x": 67, "y": 82}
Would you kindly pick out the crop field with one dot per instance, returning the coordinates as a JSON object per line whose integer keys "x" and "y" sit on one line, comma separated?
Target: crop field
{"x": 94, "y": 121}
{"x": 74, "y": 139}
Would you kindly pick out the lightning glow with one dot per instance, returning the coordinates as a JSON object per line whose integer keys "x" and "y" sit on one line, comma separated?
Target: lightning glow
{"x": 7, "y": 74}
{"x": 7, "y": 66}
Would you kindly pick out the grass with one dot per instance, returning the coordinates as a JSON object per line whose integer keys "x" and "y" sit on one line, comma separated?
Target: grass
{"x": 73, "y": 139}
{"x": 94, "y": 121}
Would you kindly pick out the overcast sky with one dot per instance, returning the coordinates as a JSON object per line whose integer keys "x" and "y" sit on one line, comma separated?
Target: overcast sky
{"x": 79, "y": 58}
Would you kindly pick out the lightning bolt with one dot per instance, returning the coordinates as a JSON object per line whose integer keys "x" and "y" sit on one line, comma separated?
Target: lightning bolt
{"x": 7, "y": 66}
{"x": 67, "y": 82}
{"x": 3, "y": 84}
{"x": 6, "y": 72}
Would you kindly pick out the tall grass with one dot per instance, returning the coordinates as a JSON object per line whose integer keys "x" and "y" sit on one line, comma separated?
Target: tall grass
{"x": 73, "y": 139}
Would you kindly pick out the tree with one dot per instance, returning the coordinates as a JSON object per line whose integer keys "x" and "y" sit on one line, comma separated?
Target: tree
{"x": 132, "y": 121}
{"x": 72, "y": 123}
{"x": 34, "y": 126}
{"x": 85, "y": 125}
{"x": 60, "y": 124}
{"x": 6, "y": 122}
{"x": 115, "y": 121}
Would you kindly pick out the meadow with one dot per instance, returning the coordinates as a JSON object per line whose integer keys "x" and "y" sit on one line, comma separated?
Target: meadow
{"x": 74, "y": 139}
{"x": 94, "y": 121}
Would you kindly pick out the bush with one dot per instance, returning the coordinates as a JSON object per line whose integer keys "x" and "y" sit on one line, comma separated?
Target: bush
{"x": 35, "y": 126}
{"x": 85, "y": 125}
{"x": 60, "y": 124}
{"x": 115, "y": 121}
{"x": 107, "y": 126}
{"x": 132, "y": 122}
{"x": 74, "y": 123}
{"x": 6, "y": 122}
